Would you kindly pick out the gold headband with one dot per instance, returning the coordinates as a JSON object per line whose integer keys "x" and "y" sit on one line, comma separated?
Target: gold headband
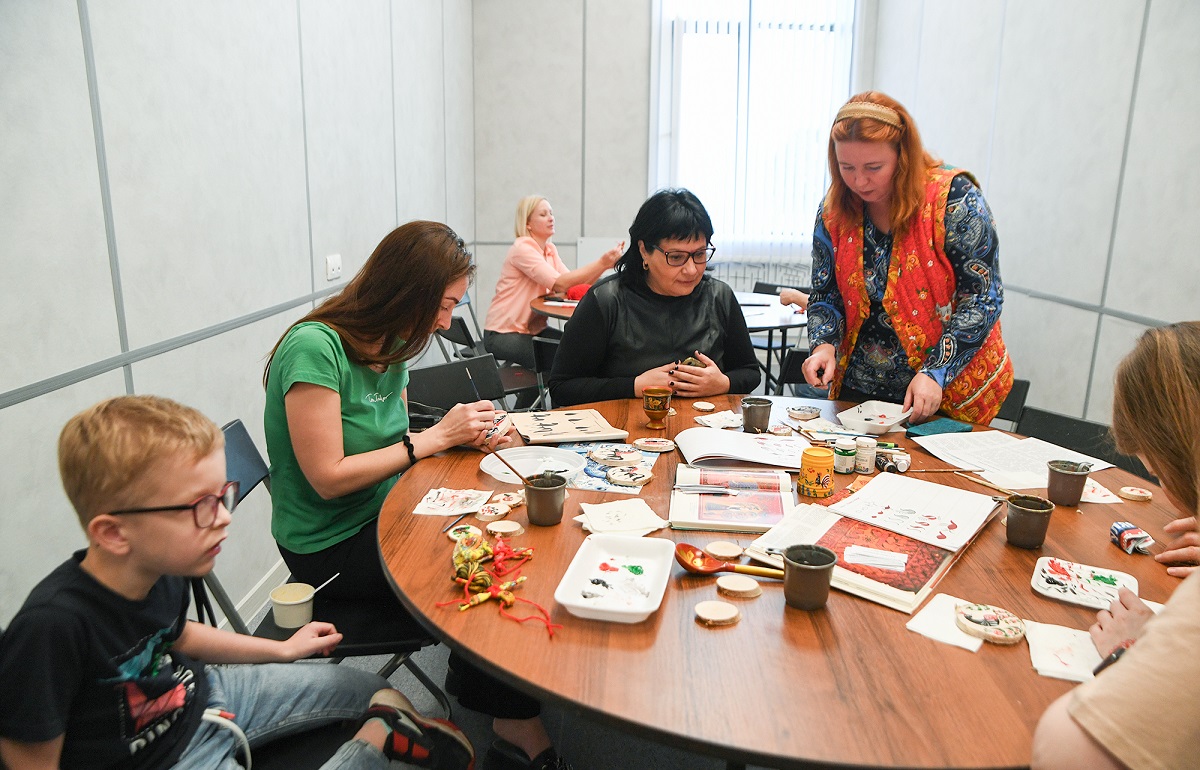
{"x": 869, "y": 110}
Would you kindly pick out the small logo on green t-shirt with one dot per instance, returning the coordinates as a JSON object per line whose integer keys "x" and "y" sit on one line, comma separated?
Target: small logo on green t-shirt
{"x": 375, "y": 398}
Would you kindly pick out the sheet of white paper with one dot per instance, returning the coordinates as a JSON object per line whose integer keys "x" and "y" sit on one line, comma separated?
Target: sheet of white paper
{"x": 1006, "y": 461}
{"x": 1060, "y": 652}
{"x": 620, "y": 517}
{"x": 932, "y": 513}
{"x": 452, "y": 502}
{"x": 1094, "y": 492}
{"x": 726, "y": 419}
{"x": 936, "y": 621}
{"x": 874, "y": 557}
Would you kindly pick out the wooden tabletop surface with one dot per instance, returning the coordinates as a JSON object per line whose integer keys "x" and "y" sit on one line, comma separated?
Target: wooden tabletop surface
{"x": 561, "y": 312}
{"x": 844, "y": 686}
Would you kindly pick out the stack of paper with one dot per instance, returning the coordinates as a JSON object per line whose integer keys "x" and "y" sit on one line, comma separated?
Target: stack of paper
{"x": 632, "y": 517}
{"x": 1060, "y": 652}
{"x": 1006, "y": 461}
{"x": 873, "y": 557}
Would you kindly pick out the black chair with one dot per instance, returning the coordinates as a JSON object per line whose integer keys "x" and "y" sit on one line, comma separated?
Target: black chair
{"x": 775, "y": 349}
{"x": 544, "y": 351}
{"x": 1013, "y": 405}
{"x": 1090, "y": 438}
{"x": 791, "y": 372}
{"x": 368, "y": 627}
{"x": 444, "y": 385}
{"x": 516, "y": 379}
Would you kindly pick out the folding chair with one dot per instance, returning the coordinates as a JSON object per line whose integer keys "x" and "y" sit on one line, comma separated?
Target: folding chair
{"x": 544, "y": 351}
{"x": 515, "y": 378}
{"x": 775, "y": 348}
{"x": 368, "y": 627}
{"x": 1010, "y": 410}
{"x": 1090, "y": 438}
{"x": 791, "y": 372}
{"x": 445, "y": 385}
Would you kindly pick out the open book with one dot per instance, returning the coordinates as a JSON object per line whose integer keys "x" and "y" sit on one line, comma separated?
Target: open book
{"x": 715, "y": 448}
{"x": 759, "y": 503}
{"x": 902, "y": 590}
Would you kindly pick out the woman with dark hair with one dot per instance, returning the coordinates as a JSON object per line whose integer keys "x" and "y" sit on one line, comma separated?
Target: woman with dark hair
{"x": 1142, "y": 707}
{"x": 906, "y": 282}
{"x": 337, "y": 436}
{"x": 633, "y": 329}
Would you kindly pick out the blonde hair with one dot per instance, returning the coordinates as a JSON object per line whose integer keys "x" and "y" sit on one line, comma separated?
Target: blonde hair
{"x": 105, "y": 451}
{"x": 1156, "y": 408}
{"x": 524, "y": 211}
{"x": 879, "y": 118}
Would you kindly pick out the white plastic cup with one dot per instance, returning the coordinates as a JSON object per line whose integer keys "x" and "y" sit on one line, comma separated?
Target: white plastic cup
{"x": 292, "y": 604}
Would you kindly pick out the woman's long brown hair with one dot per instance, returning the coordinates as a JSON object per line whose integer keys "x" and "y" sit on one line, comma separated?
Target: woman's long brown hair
{"x": 1156, "y": 408}
{"x": 386, "y": 314}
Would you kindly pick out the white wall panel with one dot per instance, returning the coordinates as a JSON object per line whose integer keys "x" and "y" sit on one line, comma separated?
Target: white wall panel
{"x": 347, "y": 65}
{"x": 1116, "y": 339}
{"x": 204, "y": 134}
{"x": 958, "y": 63}
{"x": 1051, "y": 346}
{"x": 1154, "y": 265}
{"x": 1066, "y": 75}
{"x": 39, "y": 528}
{"x": 617, "y": 115}
{"x": 528, "y": 112}
{"x": 417, "y": 41}
{"x": 898, "y": 39}
{"x": 460, "y": 118}
{"x": 53, "y": 252}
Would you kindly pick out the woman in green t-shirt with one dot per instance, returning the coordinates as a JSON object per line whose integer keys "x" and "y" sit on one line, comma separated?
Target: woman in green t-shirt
{"x": 336, "y": 421}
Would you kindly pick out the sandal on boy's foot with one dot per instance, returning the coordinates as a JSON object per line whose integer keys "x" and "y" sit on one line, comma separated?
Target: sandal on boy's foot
{"x": 502, "y": 755}
{"x": 420, "y": 740}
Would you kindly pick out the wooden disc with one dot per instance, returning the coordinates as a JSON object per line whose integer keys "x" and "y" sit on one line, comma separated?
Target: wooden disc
{"x": 989, "y": 623}
{"x": 803, "y": 412}
{"x": 779, "y": 430}
{"x": 630, "y": 477}
{"x": 703, "y": 406}
{"x": 492, "y": 511}
{"x": 1135, "y": 493}
{"x": 462, "y": 530}
{"x": 654, "y": 444}
{"x": 739, "y": 586}
{"x": 616, "y": 456}
{"x": 505, "y": 528}
{"x": 511, "y": 499}
{"x": 714, "y": 613}
{"x": 723, "y": 550}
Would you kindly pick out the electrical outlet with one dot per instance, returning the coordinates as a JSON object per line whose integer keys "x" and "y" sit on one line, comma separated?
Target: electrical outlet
{"x": 333, "y": 267}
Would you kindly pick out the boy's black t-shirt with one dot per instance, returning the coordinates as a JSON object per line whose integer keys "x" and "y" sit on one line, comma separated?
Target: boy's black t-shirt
{"x": 82, "y": 660}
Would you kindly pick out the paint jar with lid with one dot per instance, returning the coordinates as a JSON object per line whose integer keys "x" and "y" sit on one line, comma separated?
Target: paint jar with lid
{"x": 816, "y": 472}
{"x": 864, "y": 455}
{"x": 844, "y": 450}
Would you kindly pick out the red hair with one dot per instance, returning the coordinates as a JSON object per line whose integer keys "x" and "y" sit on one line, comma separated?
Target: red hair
{"x": 908, "y": 185}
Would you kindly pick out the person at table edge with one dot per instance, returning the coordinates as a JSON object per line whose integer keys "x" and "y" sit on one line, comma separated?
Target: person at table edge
{"x": 532, "y": 268}
{"x": 631, "y": 330}
{"x": 906, "y": 285}
{"x": 1142, "y": 708}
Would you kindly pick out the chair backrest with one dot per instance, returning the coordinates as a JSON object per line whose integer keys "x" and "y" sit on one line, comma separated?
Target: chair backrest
{"x": 459, "y": 334}
{"x": 445, "y": 385}
{"x": 466, "y": 302}
{"x": 765, "y": 287}
{"x": 544, "y": 351}
{"x": 1014, "y": 404}
{"x": 1090, "y": 438}
{"x": 791, "y": 369}
{"x": 243, "y": 462}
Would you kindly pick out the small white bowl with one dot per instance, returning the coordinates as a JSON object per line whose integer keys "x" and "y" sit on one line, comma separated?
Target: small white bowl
{"x": 873, "y": 417}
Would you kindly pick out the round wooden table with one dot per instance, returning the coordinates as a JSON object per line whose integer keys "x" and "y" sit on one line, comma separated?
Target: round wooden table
{"x": 845, "y": 685}
{"x": 561, "y": 309}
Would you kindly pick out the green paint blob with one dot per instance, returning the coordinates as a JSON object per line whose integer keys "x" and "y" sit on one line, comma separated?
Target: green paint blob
{"x": 634, "y": 569}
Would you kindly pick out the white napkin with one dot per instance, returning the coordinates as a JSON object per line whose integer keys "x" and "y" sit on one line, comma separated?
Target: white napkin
{"x": 1094, "y": 492}
{"x": 631, "y": 517}
{"x": 726, "y": 419}
{"x": 1060, "y": 652}
{"x": 452, "y": 502}
{"x": 936, "y": 621}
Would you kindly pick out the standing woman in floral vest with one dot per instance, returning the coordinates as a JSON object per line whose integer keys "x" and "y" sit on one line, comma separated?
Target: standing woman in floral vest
{"x": 906, "y": 281}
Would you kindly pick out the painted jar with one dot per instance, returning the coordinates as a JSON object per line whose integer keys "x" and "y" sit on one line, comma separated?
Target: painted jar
{"x": 816, "y": 472}
{"x": 843, "y": 455}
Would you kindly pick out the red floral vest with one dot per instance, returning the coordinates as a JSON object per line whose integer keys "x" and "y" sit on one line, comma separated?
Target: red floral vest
{"x": 921, "y": 305}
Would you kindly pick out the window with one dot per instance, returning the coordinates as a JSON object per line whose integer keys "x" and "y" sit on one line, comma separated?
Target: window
{"x": 745, "y": 91}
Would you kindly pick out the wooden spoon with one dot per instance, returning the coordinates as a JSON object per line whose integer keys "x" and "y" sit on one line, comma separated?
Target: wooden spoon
{"x": 695, "y": 560}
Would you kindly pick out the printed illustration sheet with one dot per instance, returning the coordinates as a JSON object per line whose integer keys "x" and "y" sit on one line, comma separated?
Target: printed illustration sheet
{"x": 595, "y": 475}
{"x": 931, "y": 513}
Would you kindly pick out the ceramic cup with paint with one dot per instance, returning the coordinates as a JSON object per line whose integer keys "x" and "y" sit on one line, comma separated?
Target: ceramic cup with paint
{"x": 544, "y": 499}
{"x": 656, "y": 403}
{"x": 756, "y": 414}
{"x": 807, "y": 570}
{"x": 1028, "y": 520}
{"x": 292, "y": 604}
{"x": 1066, "y": 481}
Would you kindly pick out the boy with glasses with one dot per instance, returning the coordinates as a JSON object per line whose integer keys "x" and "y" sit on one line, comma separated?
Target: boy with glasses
{"x": 101, "y": 666}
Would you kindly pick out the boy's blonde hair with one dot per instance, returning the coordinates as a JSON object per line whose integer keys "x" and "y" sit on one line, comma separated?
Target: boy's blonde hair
{"x": 105, "y": 451}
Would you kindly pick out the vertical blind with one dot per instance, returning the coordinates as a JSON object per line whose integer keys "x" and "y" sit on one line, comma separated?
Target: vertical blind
{"x": 745, "y": 95}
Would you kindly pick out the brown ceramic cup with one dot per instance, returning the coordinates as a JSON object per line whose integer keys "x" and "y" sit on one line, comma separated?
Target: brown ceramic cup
{"x": 1066, "y": 481}
{"x": 807, "y": 570}
{"x": 756, "y": 414}
{"x": 544, "y": 499}
{"x": 1028, "y": 520}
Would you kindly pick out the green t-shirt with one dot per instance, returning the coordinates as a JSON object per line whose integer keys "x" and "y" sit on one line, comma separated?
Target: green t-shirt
{"x": 373, "y": 416}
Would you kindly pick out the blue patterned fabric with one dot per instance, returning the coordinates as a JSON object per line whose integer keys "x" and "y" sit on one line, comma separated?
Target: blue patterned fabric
{"x": 878, "y": 364}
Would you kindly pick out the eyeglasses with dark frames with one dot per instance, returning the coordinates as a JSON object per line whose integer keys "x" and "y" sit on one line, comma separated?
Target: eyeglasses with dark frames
{"x": 679, "y": 258}
{"x": 204, "y": 510}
